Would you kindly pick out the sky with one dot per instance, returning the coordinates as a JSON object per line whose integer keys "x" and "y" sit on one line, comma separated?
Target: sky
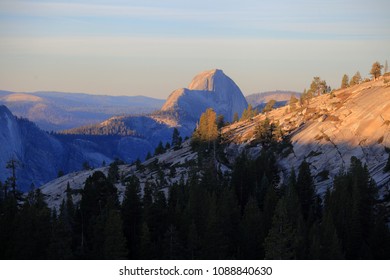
{"x": 154, "y": 47}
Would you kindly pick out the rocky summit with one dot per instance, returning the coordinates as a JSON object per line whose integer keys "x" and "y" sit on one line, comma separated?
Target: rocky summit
{"x": 209, "y": 89}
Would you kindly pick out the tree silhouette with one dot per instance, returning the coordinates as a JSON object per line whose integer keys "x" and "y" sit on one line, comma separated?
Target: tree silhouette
{"x": 376, "y": 70}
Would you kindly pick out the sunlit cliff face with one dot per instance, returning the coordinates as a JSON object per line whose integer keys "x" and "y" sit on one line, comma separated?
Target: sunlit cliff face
{"x": 330, "y": 129}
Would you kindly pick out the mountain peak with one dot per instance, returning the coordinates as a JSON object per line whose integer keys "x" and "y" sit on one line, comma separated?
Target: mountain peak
{"x": 207, "y": 80}
{"x": 208, "y": 89}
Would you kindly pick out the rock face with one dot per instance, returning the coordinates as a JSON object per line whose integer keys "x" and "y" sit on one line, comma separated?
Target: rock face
{"x": 331, "y": 129}
{"x": 209, "y": 89}
{"x": 40, "y": 155}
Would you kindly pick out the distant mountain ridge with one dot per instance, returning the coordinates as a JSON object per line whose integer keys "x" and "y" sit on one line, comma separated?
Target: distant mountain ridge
{"x": 281, "y": 96}
{"x": 60, "y": 110}
{"x": 182, "y": 109}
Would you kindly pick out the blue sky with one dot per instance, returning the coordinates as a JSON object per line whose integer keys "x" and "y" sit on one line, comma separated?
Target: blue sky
{"x": 153, "y": 47}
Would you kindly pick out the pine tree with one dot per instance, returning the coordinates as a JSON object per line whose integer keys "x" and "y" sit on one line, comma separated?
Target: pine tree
{"x": 248, "y": 113}
{"x": 98, "y": 196}
{"x": 376, "y": 70}
{"x": 11, "y": 180}
{"x": 293, "y": 101}
{"x": 31, "y": 238}
{"x": 113, "y": 172}
{"x": 283, "y": 241}
{"x": 157, "y": 220}
{"x": 306, "y": 190}
{"x": 173, "y": 247}
{"x": 269, "y": 106}
{"x": 61, "y": 235}
{"x": 386, "y": 68}
{"x": 214, "y": 240}
{"x": 114, "y": 247}
{"x": 147, "y": 249}
{"x": 9, "y": 210}
{"x": 345, "y": 81}
{"x": 352, "y": 204}
{"x": 252, "y": 232}
{"x": 159, "y": 149}
{"x": 356, "y": 79}
{"x": 132, "y": 215}
{"x": 176, "y": 139}
{"x": 193, "y": 242}
{"x": 330, "y": 242}
{"x": 207, "y": 130}
{"x": 317, "y": 87}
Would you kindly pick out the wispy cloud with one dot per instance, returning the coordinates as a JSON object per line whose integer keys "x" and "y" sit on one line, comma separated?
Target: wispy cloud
{"x": 100, "y": 10}
{"x": 338, "y": 18}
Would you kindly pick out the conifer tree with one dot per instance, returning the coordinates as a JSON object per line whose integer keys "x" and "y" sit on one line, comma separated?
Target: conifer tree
{"x": 305, "y": 190}
{"x": 32, "y": 229}
{"x": 252, "y": 232}
{"x": 176, "y": 139}
{"x": 11, "y": 180}
{"x": 248, "y": 113}
{"x": 356, "y": 79}
{"x": 147, "y": 250}
{"x": 269, "y": 106}
{"x": 317, "y": 87}
{"x": 159, "y": 149}
{"x": 283, "y": 241}
{"x": 61, "y": 235}
{"x": 173, "y": 247}
{"x": 330, "y": 242}
{"x": 345, "y": 81}
{"x": 207, "y": 130}
{"x": 376, "y": 70}
{"x": 193, "y": 242}
{"x": 114, "y": 247}
{"x": 98, "y": 196}
{"x": 293, "y": 101}
{"x": 132, "y": 215}
{"x": 214, "y": 240}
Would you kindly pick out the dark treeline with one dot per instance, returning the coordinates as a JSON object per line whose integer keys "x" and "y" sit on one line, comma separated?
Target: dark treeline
{"x": 248, "y": 214}
{"x": 207, "y": 217}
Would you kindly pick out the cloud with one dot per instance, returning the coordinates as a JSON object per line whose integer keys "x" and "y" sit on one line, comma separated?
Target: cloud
{"x": 279, "y": 18}
{"x": 100, "y": 10}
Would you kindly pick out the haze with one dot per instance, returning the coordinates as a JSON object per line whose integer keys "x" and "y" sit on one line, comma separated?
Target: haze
{"x": 152, "y": 47}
